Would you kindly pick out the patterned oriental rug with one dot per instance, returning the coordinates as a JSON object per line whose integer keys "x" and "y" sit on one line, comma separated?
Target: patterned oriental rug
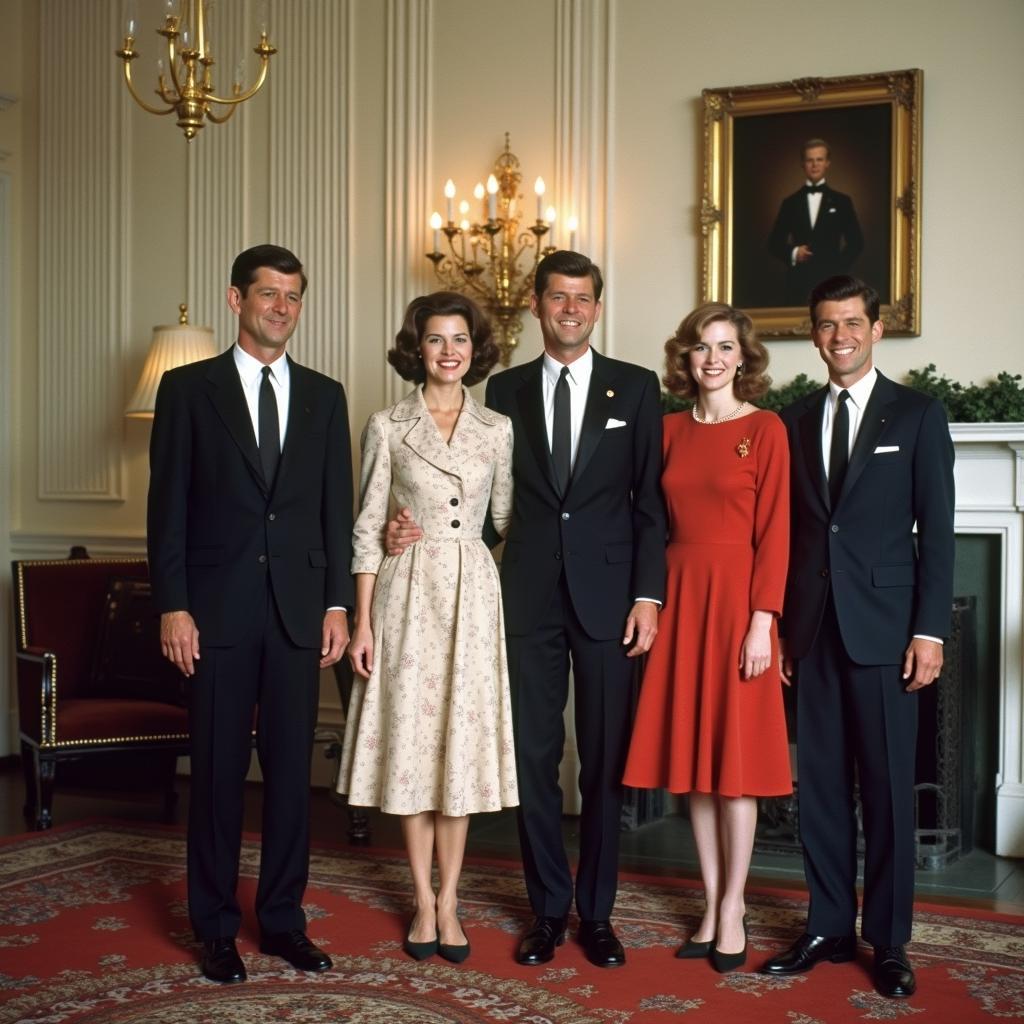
{"x": 93, "y": 928}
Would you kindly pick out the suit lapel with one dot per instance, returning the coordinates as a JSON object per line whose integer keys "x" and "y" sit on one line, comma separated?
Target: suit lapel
{"x": 810, "y": 443}
{"x": 873, "y": 421}
{"x": 225, "y": 390}
{"x": 530, "y": 399}
{"x": 423, "y": 436}
{"x": 595, "y": 415}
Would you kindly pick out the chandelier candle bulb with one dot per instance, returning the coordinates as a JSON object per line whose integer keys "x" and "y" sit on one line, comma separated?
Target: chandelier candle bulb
{"x": 538, "y": 187}
{"x": 435, "y": 223}
{"x": 492, "y": 197}
{"x": 572, "y": 224}
{"x": 449, "y": 200}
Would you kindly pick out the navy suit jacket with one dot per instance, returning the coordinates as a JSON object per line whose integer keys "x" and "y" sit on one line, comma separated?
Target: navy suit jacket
{"x": 887, "y": 584}
{"x": 608, "y": 532}
{"x": 218, "y": 536}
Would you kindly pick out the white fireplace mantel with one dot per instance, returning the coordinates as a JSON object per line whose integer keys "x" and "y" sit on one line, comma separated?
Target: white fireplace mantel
{"x": 990, "y": 500}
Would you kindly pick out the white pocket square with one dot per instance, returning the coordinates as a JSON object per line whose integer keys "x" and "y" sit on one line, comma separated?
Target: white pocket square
{"x": 613, "y": 422}
{"x": 883, "y": 448}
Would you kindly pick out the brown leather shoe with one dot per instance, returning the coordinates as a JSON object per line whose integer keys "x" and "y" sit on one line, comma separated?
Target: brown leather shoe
{"x": 810, "y": 950}
{"x": 892, "y": 973}
{"x": 220, "y": 961}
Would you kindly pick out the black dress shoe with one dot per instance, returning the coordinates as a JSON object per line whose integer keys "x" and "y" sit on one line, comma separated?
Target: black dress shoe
{"x": 452, "y": 953}
{"x": 295, "y": 947}
{"x": 691, "y": 950}
{"x": 420, "y": 950}
{"x": 892, "y": 972}
{"x": 809, "y": 950}
{"x": 726, "y": 962}
{"x": 538, "y": 944}
{"x": 600, "y": 945}
{"x": 221, "y": 962}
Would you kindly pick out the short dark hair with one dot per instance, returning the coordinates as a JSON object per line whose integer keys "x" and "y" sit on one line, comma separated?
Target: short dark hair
{"x": 748, "y": 385}
{"x": 843, "y": 286}
{"x": 816, "y": 144}
{"x": 405, "y": 356}
{"x": 243, "y": 270}
{"x": 570, "y": 264}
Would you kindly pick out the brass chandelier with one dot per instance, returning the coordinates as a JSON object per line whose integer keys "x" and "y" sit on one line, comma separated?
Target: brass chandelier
{"x": 491, "y": 260}
{"x": 185, "y": 82}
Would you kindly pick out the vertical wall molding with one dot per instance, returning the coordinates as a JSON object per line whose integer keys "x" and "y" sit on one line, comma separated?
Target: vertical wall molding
{"x": 9, "y": 733}
{"x": 310, "y": 169}
{"x": 407, "y": 163}
{"x": 218, "y": 185}
{"x": 83, "y": 252}
{"x": 583, "y": 129}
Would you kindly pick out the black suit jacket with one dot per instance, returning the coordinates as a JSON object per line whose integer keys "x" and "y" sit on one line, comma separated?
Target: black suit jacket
{"x": 217, "y": 534}
{"x": 608, "y": 532}
{"x": 835, "y": 240}
{"x": 886, "y": 587}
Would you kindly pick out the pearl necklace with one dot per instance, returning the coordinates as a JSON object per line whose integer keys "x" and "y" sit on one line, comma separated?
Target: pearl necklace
{"x": 721, "y": 419}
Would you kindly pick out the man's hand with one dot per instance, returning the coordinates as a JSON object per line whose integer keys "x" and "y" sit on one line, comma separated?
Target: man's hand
{"x": 922, "y": 663}
{"x": 785, "y": 664}
{"x": 803, "y": 253}
{"x": 360, "y": 650}
{"x": 642, "y": 624}
{"x": 401, "y": 532}
{"x": 335, "y": 637}
{"x": 179, "y": 641}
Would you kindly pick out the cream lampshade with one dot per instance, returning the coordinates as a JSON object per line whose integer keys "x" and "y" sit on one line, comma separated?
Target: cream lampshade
{"x": 172, "y": 345}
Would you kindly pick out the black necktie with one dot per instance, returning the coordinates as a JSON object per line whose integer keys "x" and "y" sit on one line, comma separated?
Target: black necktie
{"x": 839, "y": 453}
{"x": 270, "y": 429}
{"x": 811, "y": 190}
{"x": 561, "y": 433}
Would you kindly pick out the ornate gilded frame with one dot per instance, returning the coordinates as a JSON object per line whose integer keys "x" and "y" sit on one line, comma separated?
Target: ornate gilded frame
{"x": 724, "y": 108}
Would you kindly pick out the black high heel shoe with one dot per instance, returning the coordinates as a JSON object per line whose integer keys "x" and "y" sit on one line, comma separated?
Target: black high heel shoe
{"x": 725, "y": 962}
{"x": 691, "y": 950}
{"x": 420, "y": 950}
{"x": 454, "y": 954}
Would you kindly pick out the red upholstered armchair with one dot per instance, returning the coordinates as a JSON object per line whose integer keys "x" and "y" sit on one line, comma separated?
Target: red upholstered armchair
{"x": 92, "y": 685}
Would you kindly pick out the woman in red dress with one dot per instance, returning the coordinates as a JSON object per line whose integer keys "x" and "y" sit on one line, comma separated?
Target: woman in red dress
{"x": 710, "y": 720}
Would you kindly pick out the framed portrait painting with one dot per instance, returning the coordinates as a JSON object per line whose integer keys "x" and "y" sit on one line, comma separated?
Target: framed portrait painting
{"x": 810, "y": 178}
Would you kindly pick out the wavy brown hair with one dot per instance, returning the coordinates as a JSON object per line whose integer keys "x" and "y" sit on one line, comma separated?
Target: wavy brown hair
{"x": 405, "y": 356}
{"x": 750, "y": 383}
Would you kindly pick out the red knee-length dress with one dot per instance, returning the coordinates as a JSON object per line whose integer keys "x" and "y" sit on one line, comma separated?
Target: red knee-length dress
{"x": 699, "y": 725}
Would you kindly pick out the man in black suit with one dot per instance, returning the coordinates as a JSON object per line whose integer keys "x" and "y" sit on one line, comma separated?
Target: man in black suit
{"x": 583, "y": 576}
{"x": 249, "y": 535}
{"x": 816, "y": 232}
{"x": 865, "y": 614}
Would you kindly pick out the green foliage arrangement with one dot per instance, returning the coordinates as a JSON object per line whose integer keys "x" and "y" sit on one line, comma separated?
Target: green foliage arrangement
{"x": 998, "y": 401}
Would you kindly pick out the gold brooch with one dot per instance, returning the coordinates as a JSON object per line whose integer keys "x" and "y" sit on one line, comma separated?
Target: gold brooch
{"x": 743, "y": 448}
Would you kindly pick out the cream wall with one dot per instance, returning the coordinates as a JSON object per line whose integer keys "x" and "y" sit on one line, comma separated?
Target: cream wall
{"x": 603, "y": 102}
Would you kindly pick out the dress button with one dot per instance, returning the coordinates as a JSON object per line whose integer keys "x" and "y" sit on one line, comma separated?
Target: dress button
{"x": 565, "y": 515}
{"x": 453, "y": 502}
{"x": 261, "y": 559}
{"x": 558, "y": 554}
{"x": 823, "y": 573}
{"x": 835, "y": 529}
{"x": 272, "y": 516}
{"x": 456, "y": 524}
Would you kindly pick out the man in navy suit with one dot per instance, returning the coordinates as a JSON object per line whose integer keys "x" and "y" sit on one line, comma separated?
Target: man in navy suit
{"x": 816, "y": 232}
{"x": 249, "y": 535}
{"x": 866, "y": 610}
{"x": 582, "y": 576}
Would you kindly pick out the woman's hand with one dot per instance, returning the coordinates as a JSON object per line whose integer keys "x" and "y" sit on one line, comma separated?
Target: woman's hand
{"x": 756, "y": 652}
{"x": 360, "y": 650}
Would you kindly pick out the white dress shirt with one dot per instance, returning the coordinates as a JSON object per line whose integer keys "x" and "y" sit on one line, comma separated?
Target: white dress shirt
{"x": 813, "y": 208}
{"x": 250, "y": 373}
{"x": 579, "y": 387}
{"x": 855, "y": 405}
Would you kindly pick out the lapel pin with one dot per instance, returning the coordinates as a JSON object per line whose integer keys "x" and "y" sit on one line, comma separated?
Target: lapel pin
{"x": 610, "y": 393}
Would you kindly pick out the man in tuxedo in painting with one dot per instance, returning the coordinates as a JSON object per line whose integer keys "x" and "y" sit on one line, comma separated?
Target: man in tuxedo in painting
{"x": 816, "y": 232}
{"x": 249, "y": 536}
{"x": 867, "y": 607}
{"x": 583, "y": 576}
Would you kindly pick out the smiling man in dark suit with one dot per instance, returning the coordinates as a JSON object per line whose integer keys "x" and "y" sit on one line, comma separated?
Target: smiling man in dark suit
{"x": 866, "y": 610}
{"x": 249, "y": 536}
{"x": 816, "y": 232}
